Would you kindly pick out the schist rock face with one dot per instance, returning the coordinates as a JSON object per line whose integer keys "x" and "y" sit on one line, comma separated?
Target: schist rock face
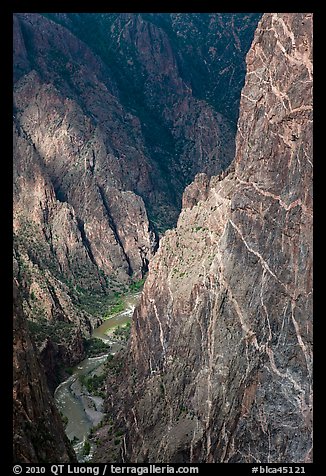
{"x": 220, "y": 365}
{"x": 39, "y": 436}
{"x": 111, "y": 122}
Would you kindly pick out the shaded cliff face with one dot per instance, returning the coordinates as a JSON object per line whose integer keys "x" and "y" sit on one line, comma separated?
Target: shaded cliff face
{"x": 125, "y": 118}
{"x": 81, "y": 232}
{"x": 220, "y": 366}
{"x": 211, "y": 55}
{"x": 109, "y": 127}
{"x": 69, "y": 115}
{"x": 39, "y": 436}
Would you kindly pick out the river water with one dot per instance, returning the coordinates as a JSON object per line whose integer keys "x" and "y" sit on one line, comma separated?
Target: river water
{"x": 84, "y": 411}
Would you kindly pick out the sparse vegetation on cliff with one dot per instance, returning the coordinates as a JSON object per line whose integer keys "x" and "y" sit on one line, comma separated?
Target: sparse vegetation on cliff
{"x": 116, "y": 305}
{"x": 58, "y": 331}
{"x": 93, "y": 383}
{"x": 95, "y": 347}
{"x": 137, "y": 285}
{"x": 86, "y": 448}
{"x": 122, "y": 333}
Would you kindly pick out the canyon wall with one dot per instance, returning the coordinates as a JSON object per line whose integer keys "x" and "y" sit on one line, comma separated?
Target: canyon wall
{"x": 109, "y": 126}
{"x": 220, "y": 362}
{"x": 39, "y": 436}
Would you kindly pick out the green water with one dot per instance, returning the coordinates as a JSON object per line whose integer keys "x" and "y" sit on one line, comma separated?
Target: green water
{"x": 105, "y": 330}
{"x": 84, "y": 411}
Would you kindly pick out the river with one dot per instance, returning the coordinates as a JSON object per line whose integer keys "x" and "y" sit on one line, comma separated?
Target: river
{"x": 83, "y": 410}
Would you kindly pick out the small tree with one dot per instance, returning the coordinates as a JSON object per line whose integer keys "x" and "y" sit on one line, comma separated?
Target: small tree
{"x": 86, "y": 448}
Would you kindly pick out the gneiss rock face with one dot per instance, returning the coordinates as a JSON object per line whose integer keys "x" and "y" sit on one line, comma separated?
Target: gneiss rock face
{"x": 220, "y": 366}
{"x": 39, "y": 436}
{"x": 79, "y": 228}
{"x": 75, "y": 134}
{"x": 133, "y": 77}
{"x": 109, "y": 126}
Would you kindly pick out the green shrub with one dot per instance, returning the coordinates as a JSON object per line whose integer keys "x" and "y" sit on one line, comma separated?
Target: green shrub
{"x": 95, "y": 347}
{"x": 122, "y": 332}
{"x": 57, "y": 331}
{"x": 137, "y": 286}
{"x": 116, "y": 305}
{"x": 86, "y": 448}
{"x": 64, "y": 419}
{"x": 93, "y": 384}
{"x": 162, "y": 389}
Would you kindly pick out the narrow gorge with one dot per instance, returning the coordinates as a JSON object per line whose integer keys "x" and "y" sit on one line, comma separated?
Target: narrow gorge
{"x": 173, "y": 150}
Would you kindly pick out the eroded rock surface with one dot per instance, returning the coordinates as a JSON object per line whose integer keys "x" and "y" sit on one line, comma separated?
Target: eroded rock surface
{"x": 220, "y": 366}
{"x": 109, "y": 126}
{"x": 39, "y": 436}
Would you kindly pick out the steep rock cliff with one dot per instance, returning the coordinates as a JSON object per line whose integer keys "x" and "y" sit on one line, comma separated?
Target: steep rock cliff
{"x": 220, "y": 365}
{"x": 39, "y": 436}
{"x": 211, "y": 55}
{"x": 109, "y": 127}
{"x": 70, "y": 116}
{"x": 80, "y": 230}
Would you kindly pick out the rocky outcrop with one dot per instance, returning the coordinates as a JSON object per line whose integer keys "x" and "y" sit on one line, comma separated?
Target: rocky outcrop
{"x": 192, "y": 135}
{"x": 39, "y": 436}
{"x": 158, "y": 127}
{"x": 211, "y": 54}
{"x": 220, "y": 366}
{"x": 49, "y": 260}
{"x": 77, "y": 232}
{"x": 81, "y": 144}
{"x": 109, "y": 127}
{"x": 82, "y": 179}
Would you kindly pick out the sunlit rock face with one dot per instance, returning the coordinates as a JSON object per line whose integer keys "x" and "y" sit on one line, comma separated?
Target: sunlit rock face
{"x": 220, "y": 366}
{"x": 113, "y": 117}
